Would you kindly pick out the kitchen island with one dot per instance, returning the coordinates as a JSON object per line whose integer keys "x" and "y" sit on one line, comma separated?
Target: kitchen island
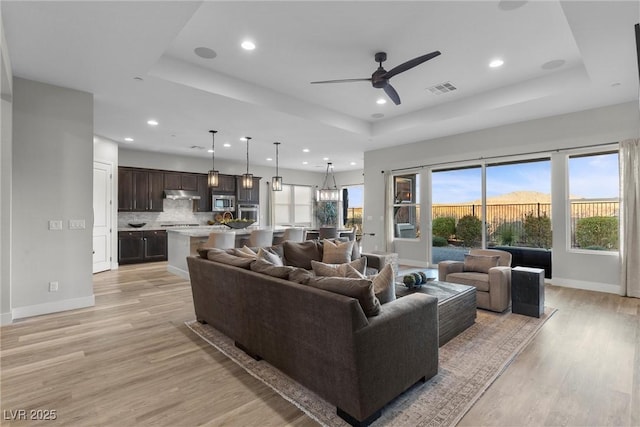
{"x": 183, "y": 242}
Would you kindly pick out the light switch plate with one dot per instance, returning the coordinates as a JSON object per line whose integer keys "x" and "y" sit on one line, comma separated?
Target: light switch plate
{"x": 76, "y": 224}
{"x": 55, "y": 224}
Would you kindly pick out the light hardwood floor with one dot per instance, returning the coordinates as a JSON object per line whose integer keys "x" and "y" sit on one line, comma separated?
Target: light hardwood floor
{"x": 130, "y": 360}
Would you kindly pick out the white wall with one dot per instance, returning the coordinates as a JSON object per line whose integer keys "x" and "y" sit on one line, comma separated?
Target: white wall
{"x": 106, "y": 151}
{"x": 598, "y": 126}
{"x": 52, "y": 180}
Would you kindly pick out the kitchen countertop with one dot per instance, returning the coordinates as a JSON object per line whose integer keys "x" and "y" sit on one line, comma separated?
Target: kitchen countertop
{"x": 205, "y": 230}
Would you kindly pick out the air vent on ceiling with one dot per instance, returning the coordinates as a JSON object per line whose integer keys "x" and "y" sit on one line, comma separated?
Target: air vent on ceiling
{"x": 441, "y": 88}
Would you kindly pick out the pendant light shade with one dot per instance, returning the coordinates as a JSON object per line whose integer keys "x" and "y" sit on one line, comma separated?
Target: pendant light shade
{"x": 213, "y": 177}
{"x": 276, "y": 181}
{"x": 327, "y": 193}
{"x": 247, "y": 178}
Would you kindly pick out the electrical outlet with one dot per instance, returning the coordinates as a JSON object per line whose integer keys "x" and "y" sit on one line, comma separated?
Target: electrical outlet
{"x": 55, "y": 224}
{"x": 53, "y": 286}
{"x": 76, "y": 224}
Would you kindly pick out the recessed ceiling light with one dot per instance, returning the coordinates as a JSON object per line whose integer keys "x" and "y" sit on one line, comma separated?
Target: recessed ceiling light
{"x": 248, "y": 45}
{"x": 305, "y": 163}
{"x": 381, "y": 101}
{"x": 325, "y": 158}
{"x": 269, "y": 159}
{"x": 209, "y": 150}
{"x": 205, "y": 52}
{"x": 226, "y": 145}
{"x": 352, "y": 163}
{"x": 305, "y": 150}
{"x": 496, "y": 63}
{"x": 152, "y": 122}
{"x": 128, "y": 139}
{"x": 242, "y": 138}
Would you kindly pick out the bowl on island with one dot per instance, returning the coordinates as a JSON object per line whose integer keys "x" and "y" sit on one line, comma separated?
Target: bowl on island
{"x": 137, "y": 224}
{"x": 237, "y": 223}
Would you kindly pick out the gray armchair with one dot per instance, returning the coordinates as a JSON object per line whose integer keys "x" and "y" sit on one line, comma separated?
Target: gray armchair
{"x": 488, "y": 270}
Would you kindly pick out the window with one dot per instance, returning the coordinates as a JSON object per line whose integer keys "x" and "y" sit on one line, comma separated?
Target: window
{"x": 406, "y": 206}
{"x": 293, "y": 205}
{"x": 594, "y": 201}
{"x": 353, "y": 204}
{"x": 519, "y": 203}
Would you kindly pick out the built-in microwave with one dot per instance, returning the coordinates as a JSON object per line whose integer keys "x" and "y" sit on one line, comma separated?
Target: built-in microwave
{"x": 223, "y": 203}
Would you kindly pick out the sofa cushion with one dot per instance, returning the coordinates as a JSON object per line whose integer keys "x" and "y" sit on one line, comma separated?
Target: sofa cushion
{"x": 245, "y": 252}
{"x": 480, "y": 263}
{"x": 220, "y": 255}
{"x": 203, "y": 252}
{"x": 340, "y": 270}
{"x": 263, "y": 266}
{"x": 384, "y": 285}
{"x": 479, "y": 280}
{"x": 270, "y": 257}
{"x": 361, "y": 289}
{"x": 300, "y": 275}
{"x": 300, "y": 254}
{"x": 336, "y": 252}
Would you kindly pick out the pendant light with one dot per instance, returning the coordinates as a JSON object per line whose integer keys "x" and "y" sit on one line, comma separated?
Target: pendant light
{"x": 327, "y": 193}
{"x": 213, "y": 178}
{"x": 276, "y": 181}
{"x": 247, "y": 178}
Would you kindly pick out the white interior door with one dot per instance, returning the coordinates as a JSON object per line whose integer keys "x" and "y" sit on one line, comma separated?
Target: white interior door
{"x": 101, "y": 216}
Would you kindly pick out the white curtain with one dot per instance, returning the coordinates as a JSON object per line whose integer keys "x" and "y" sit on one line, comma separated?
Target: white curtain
{"x": 630, "y": 218}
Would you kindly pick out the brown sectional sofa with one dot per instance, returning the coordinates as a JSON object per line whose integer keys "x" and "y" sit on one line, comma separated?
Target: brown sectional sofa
{"x": 321, "y": 339}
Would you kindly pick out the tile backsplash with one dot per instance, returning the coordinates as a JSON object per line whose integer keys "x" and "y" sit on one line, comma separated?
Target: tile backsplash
{"x": 174, "y": 211}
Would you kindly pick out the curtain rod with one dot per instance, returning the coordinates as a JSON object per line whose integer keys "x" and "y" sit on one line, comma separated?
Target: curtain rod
{"x": 557, "y": 150}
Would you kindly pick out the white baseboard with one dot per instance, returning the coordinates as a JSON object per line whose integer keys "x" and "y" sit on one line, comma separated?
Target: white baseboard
{"x": 178, "y": 272}
{"x": 5, "y": 319}
{"x": 52, "y": 307}
{"x": 609, "y": 288}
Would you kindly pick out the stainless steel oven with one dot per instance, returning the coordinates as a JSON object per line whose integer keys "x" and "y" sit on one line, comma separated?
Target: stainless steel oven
{"x": 223, "y": 203}
{"x": 249, "y": 211}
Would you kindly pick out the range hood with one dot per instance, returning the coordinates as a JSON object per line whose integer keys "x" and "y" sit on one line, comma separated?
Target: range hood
{"x": 181, "y": 195}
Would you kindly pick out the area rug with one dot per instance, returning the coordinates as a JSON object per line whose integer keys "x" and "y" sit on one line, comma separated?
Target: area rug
{"x": 469, "y": 364}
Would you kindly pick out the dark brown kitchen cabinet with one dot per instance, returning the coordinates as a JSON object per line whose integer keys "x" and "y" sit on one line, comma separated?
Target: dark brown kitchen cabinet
{"x": 180, "y": 181}
{"x": 142, "y": 246}
{"x": 139, "y": 190}
{"x": 248, "y": 195}
{"x": 204, "y": 204}
{"x": 226, "y": 185}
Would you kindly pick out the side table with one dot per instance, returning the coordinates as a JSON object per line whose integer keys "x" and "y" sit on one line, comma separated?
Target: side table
{"x": 527, "y": 291}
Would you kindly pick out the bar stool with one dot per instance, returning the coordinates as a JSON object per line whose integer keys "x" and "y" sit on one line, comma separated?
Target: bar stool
{"x": 351, "y": 234}
{"x": 294, "y": 234}
{"x": 260, "y": 238}
{"x": 221, "y": 240}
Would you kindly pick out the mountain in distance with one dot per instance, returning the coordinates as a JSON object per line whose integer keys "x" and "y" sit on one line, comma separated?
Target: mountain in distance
{"x": 516, "y": 198}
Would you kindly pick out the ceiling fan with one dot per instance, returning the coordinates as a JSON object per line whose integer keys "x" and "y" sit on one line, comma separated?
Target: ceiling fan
{"x": 380, "y": 78}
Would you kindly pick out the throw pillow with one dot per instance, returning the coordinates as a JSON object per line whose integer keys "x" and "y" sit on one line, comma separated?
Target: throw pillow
{"x": 300, "y": 254}
{"x": 245, "y": 252}
{"x": 384, "y": 285}
{"x": 339, "y": 270}
{"x": 480, "y": 263}
{"x": 270, "y": 257}
{"x": 203, "y": 252}
{"x": 300, "y": 275}
{"x": 336, "y": 253}
{"x": 263, "y": 266}
{"x": 223, "y": 257}
{"x": 361, "y": 289}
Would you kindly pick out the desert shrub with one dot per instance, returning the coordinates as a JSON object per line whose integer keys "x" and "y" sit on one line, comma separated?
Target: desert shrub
{"x": 537, "y": 230}
{"x": 506, "y": 234}
{"x": 439, "y": 241}
{"x": 444, "y": 227}
{"x": 597, "y": 232}
{"x": 469, "y": 230}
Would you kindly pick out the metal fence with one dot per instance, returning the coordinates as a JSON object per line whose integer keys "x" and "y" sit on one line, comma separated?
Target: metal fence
{"x": 508, "y": 219}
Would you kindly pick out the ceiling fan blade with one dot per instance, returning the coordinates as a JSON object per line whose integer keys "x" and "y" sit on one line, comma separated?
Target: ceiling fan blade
{"x": 343, "y": 81}
{"x": 391, "y": 92}
{"x": 410, "y": 64}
